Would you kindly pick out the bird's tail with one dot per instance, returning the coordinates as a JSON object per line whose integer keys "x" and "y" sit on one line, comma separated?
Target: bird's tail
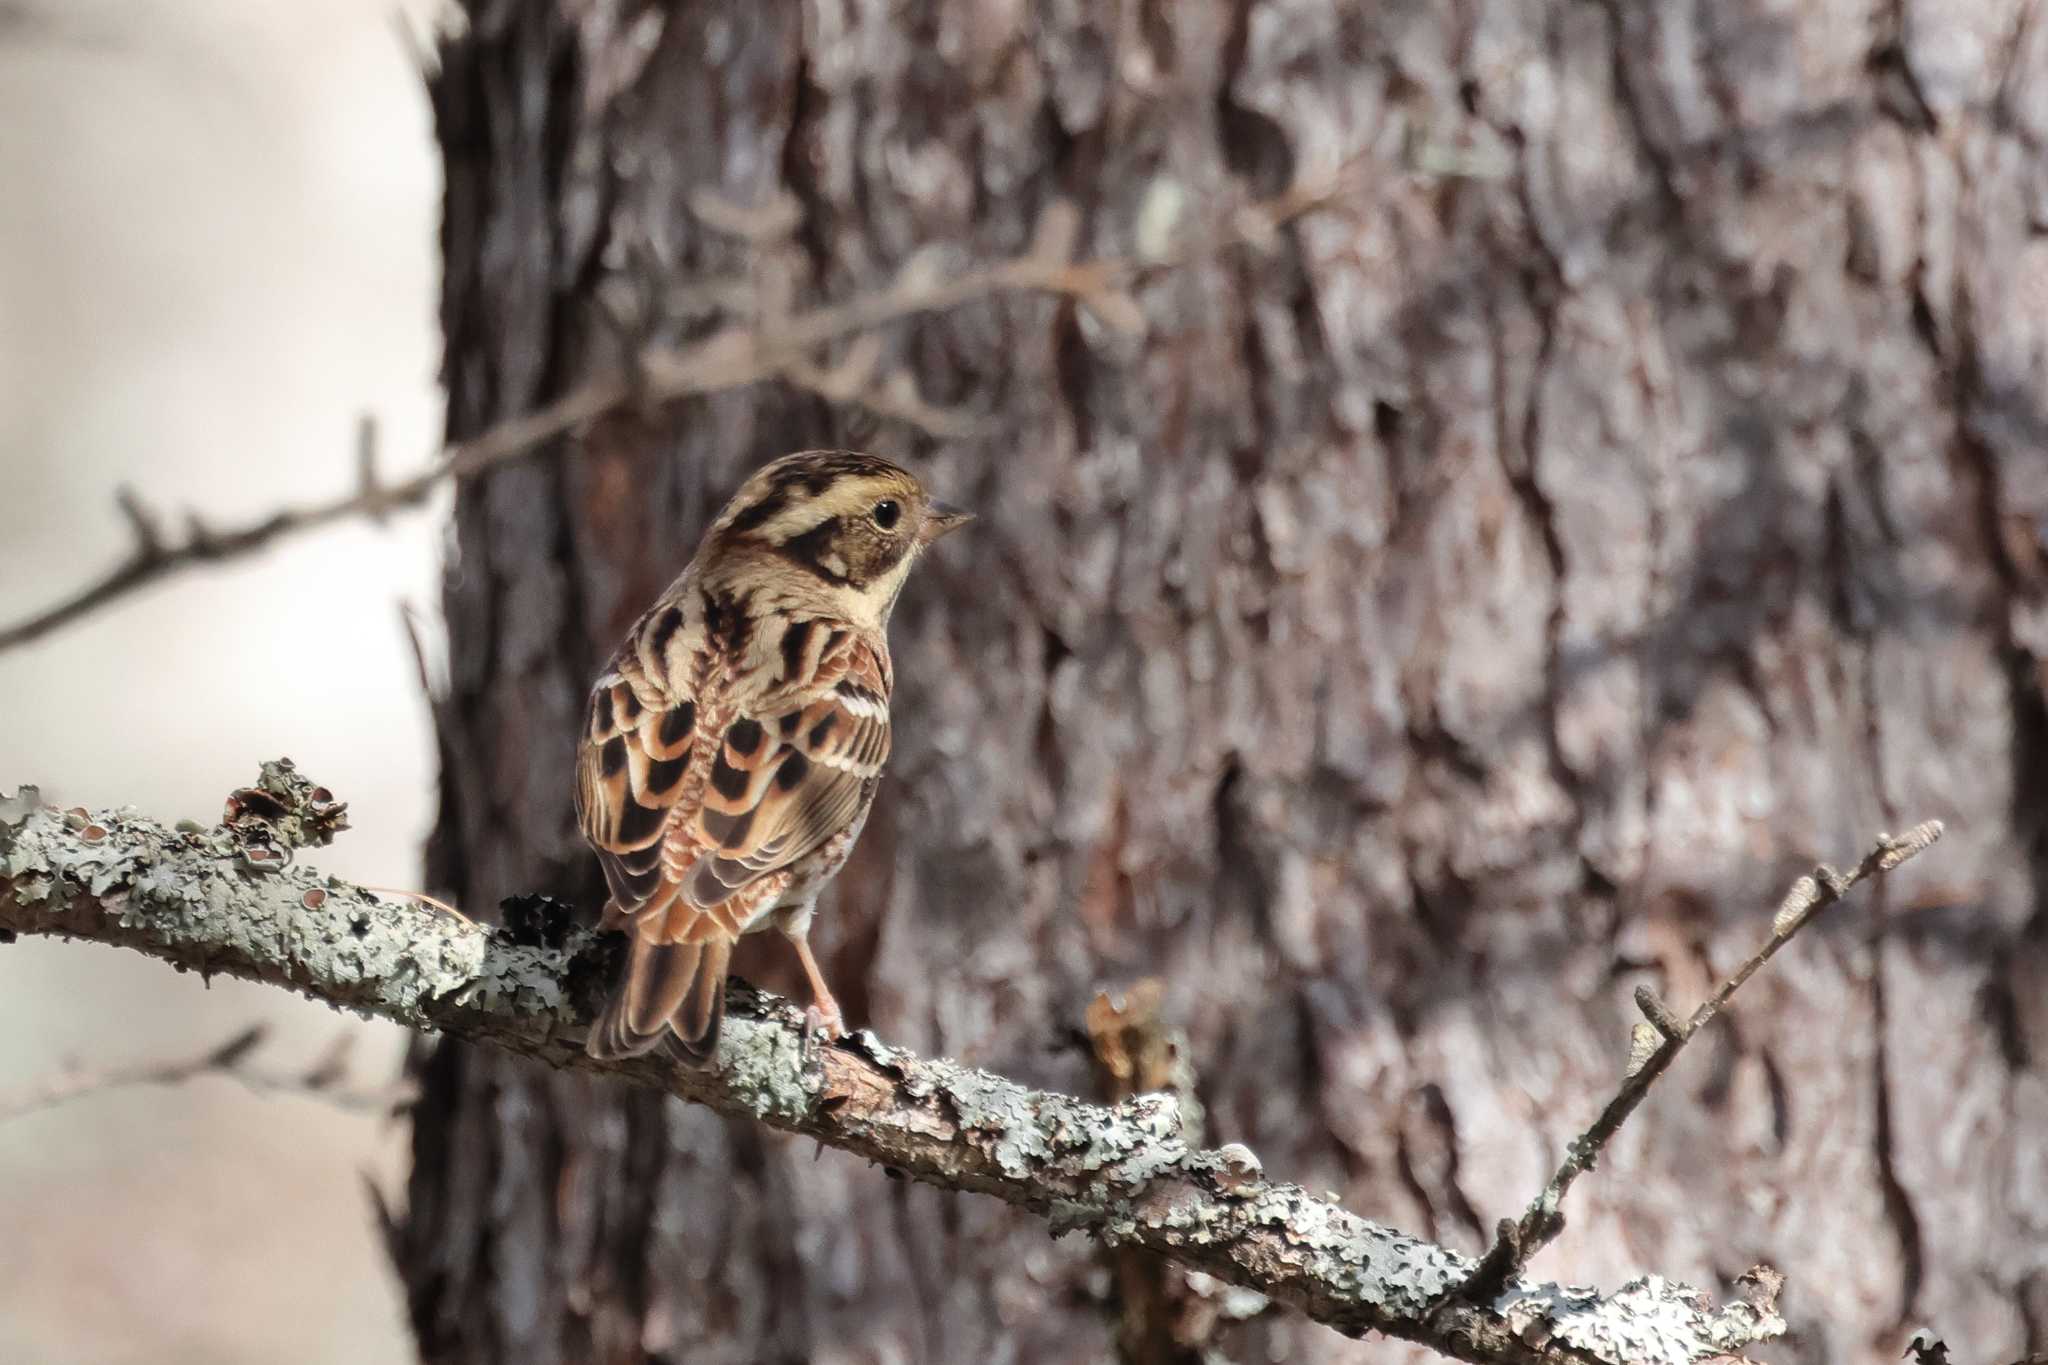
{"x": 674, "y": 988}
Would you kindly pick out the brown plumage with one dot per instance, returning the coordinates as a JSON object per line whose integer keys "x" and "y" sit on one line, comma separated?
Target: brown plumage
{"x": 735, "y": 740}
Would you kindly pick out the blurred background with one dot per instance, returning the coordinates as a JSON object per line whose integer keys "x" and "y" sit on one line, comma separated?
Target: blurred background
{"x": 216, "y": 253}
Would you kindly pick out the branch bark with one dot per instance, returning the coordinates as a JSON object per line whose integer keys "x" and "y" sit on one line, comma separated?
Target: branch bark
{"x": 195, "y": 898}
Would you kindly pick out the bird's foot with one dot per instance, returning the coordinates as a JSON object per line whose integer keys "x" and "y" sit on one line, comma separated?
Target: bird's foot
{"x": 823, "y": 1026}
{"x": 823, "y": 1021}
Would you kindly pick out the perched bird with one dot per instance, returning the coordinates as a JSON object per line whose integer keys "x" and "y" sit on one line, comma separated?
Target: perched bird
{"x": 735, "y": 740}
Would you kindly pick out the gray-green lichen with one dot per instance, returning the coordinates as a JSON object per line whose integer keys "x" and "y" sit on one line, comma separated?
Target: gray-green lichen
{"x": 1125, "y": 1173}
{"x": 190, "y": 896}
{"x": 1649, "y": 1318}
{"x": 765, "y": 1062}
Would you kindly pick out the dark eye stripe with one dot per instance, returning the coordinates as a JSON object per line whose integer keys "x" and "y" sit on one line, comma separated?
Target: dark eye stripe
{"x": 808, "y": 549}
{"x": 762, "y": 512}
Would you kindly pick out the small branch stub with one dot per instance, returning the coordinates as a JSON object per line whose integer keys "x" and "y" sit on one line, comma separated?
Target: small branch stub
{"x": 1659, "y": 1014}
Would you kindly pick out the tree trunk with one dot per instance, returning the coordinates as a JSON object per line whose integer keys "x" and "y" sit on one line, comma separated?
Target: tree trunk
{"x": 1483, "y": 597}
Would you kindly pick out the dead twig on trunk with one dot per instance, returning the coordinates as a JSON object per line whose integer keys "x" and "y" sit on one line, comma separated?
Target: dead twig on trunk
{"x": 1655, "y": 1045}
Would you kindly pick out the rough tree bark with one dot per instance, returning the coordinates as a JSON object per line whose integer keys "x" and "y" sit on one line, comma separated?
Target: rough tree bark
{"x": 1473, "y": 604}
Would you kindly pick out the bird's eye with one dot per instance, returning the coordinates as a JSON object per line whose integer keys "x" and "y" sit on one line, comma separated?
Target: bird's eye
{"x": 886, "y": 513}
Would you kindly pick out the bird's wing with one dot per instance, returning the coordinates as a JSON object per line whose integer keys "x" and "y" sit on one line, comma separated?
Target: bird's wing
{"x": 795, "y": 770}
{"x": 687, "y": 860}
{"x": 632, "y": 762}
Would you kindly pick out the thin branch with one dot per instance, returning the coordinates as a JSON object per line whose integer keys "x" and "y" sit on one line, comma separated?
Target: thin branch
{"x": 1515, "y": 1240}
{"x": 771, "y": 346}
{"x": 233, "y": 1058}
{"x": 854, "y": 382}
{"x": 1126, "y": 1173}
{"x": 1932, "y": 1350}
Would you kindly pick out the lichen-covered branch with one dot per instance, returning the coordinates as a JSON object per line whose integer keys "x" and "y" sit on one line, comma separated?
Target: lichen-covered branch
{"x": 235, "y": 899}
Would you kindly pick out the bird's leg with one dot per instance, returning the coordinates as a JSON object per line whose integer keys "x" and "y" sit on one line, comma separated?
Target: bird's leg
{"x": 823, "y": 1016}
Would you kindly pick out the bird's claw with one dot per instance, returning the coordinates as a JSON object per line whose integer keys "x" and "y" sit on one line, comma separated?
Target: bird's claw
{"x": 823, "y": 1024}
{"x": 821, "y": 1020}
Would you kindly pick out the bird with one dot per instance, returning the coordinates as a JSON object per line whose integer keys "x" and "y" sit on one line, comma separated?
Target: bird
{"x": 735, "y": 739}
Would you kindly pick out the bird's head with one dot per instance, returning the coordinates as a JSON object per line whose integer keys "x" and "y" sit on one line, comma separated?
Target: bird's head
{"x": 849, "y": 524}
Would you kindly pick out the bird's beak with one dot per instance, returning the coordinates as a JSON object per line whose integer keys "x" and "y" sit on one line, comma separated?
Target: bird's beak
{"x": 940, "y": 519}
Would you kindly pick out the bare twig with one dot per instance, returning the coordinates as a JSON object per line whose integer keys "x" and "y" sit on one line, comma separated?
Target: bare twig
{"x": 760, "y": 344}
{"x": 1927, "y": 1349}
{"x": 853, "y": 381}
{"x": 233, "y": 1058}
{"x": 1516, "y": 1240}
{"x": 1126, "y": 1173}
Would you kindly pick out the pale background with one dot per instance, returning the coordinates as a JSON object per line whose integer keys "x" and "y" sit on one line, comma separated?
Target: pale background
{"x": 216, "y": 249}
